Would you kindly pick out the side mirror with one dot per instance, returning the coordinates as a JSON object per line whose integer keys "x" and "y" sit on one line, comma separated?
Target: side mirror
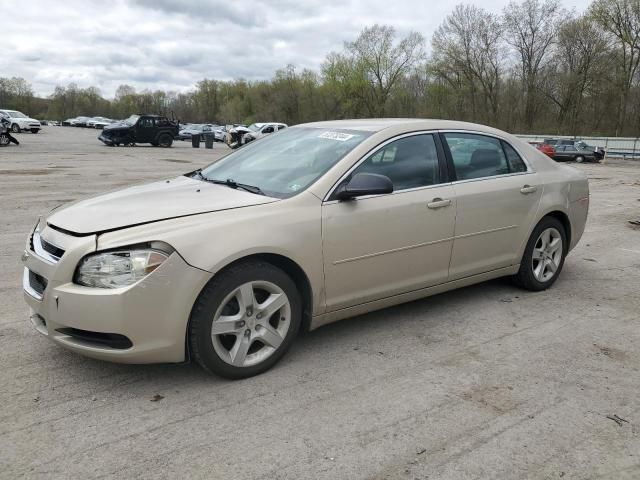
{"x": 364, "y": 184}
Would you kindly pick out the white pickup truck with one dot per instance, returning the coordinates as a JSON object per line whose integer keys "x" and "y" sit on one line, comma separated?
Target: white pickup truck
{"x": 19, "y": 121}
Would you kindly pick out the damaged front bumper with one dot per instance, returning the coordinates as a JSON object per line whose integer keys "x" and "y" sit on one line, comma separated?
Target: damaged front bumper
{"x": 142, "y": 323}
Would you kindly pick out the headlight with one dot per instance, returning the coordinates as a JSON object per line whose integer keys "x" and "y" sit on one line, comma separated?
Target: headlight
{"x": 119, "y": 268}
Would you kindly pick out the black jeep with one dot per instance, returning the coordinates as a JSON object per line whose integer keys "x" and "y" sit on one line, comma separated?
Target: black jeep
{"x": 153, "y": 129}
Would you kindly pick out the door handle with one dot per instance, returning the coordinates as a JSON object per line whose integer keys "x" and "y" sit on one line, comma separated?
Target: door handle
{"x": 438, "y": 203}
{"x": 526, "y": 189}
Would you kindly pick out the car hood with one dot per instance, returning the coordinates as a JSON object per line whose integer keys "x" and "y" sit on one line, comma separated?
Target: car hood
{"x": 27, "y": 119}
{"x": 179, "y": 197}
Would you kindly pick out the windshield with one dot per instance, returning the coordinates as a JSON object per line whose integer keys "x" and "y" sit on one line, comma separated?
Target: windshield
{"x": 286, "y": 162}
{"x": 254, "y": 127}
{"x": 132, "y": 120}
{"x": 15, "y": 114}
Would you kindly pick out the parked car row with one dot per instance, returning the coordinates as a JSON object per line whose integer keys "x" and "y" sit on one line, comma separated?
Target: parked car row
{"x": 88, "y": 122}
{"x": 563, "y": 150}
{"x": 189, "y": 130}
{"x": 19, "y": 122}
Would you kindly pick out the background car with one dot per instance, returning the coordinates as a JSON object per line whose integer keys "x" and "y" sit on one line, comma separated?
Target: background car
{"x": 20, "y": 121}
{"x": 194, "y": 129}
{"x": 154, "y": 129}
{"x": 220, "y": 132}
{"x": 79, "y": 121}
{"x": 573, "y": 152}
{"x": 259, "y": 130}
{"x": 99, "y": 122}
{"x": 544, "y": 148}
{"x": 598, "y": 152}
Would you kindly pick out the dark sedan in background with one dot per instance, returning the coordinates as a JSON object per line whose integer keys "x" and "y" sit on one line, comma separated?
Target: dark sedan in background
{"x": 574, "y": 152}
{"x": 581, "y": 147}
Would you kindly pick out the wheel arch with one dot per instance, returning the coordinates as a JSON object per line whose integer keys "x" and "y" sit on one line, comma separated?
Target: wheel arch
{"x": 563, "y": 218}
{"x": 290, "y": 267}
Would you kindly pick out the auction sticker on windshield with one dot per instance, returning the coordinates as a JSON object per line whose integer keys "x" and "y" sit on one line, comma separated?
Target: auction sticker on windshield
{"x": 341, "y": 137}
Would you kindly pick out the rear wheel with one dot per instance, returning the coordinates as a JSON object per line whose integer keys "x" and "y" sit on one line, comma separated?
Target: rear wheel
{"x": 544, "y": 255}
{"x": 34, "y": 130}
{"x": 245, "y": 320}
{"x": 165, "y": 140}
{"x": 579, "y": 159}
{"x": 15, "y": 128}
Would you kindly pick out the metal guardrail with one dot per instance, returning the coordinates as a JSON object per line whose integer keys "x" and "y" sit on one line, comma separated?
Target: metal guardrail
{"x": 614, "y": 146}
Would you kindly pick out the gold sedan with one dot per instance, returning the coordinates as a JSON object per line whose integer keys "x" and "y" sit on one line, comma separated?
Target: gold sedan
{"x": 310, "y": 225}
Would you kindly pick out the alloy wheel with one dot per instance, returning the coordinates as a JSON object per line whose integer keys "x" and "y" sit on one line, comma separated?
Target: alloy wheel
{"x": 251, "y": 323}
{"x": 547, "y": 255}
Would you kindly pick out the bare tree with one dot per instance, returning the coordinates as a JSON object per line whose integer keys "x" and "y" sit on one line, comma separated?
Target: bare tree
{"x": 532, "y": 27}
{"x": 621, "y": 19}
{"x": 581, "y": 60}
{"x": 468, "y": 45}
{"x": 382, "y": 62}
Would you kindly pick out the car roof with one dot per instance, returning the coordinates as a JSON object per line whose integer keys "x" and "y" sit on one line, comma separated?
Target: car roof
{"x": 379, "y": 124}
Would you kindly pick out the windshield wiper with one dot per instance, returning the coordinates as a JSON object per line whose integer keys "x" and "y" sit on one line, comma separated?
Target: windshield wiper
{"x": 229, "y": 183}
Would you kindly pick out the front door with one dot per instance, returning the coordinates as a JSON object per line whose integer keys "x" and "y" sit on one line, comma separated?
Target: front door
{"x": 497, "y": 199}
{"x": 383, "y": 245}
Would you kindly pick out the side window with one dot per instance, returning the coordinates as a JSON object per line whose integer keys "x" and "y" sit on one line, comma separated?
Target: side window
{"x": 515, "y": 162}
{"x": 409, "y": 162}
{"x": 267, "y": 130}
{"x": 146, "y": 122}
{"x": 476, "y": 156}
{"x": 282, "y": 127}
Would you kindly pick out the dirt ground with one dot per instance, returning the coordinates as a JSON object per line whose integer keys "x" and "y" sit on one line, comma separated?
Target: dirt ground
{"x": 485, "y": 382}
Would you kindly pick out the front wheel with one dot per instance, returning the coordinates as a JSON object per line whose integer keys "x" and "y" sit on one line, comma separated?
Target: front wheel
{"x": 34, "y": 130}
{"x": 544, "y": 255}
{"x": 579, "y": 159}
{"x": 245, "y": 320}
{"x": 165, "y": 140}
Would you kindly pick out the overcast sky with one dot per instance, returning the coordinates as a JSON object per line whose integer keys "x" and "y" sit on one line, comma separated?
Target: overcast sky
{"x": 171, "y": 44}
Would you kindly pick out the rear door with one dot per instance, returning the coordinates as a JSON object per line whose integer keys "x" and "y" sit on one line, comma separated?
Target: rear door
{"x": 497, "y": 197}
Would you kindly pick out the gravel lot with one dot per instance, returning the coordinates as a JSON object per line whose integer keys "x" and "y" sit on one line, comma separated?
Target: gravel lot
{"x": 485, "y": 382}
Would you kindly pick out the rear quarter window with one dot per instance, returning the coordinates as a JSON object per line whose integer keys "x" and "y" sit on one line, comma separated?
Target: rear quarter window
{"x": 516, "y": 164}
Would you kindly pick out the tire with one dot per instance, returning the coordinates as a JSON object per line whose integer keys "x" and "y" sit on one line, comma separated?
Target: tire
{"x": 540, "y": 277}
{"x": 34, "y": 130}
{"x": 15, "y": 128}
{"x": 4, "y": 140}
{"x": 238, "y": 350}
{"x": 165, "y": 140}
{"x": 579, "y": 159}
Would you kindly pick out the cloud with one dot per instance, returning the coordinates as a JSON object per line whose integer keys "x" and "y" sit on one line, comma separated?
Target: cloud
{"x": 152, "y": 44}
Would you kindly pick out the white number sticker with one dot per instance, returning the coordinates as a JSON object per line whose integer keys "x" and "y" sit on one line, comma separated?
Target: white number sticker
{"x": 341, "y": 137}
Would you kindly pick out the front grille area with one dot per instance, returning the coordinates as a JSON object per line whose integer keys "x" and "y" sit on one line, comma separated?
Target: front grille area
{"x": 52, "y": 249}
{"x": 111, "y": 340}
{"x": 44, "y": 249}
{"x": 37, "y": 282}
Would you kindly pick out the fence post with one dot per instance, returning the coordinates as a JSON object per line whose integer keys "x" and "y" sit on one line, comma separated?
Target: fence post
{"x": 635, "y": 140}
